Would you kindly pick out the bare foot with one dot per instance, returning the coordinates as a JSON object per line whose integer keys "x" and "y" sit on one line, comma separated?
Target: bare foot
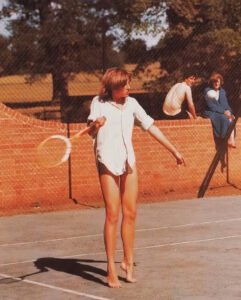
{"x": 113, "y": 281}
{"x": 129, "y": 272}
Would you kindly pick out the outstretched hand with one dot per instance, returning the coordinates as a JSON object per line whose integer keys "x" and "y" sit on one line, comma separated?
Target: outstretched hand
{"x": 179, "y": 159}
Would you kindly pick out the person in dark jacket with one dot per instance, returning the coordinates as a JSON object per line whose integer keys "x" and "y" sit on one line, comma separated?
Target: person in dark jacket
{"x": 219, "y": 110}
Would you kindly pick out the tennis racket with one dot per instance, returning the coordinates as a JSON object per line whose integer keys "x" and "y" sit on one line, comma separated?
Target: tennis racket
{"x": 56, "y": 149}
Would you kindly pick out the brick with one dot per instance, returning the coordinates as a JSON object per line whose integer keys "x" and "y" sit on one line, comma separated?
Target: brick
{"x": 23, "y": 182}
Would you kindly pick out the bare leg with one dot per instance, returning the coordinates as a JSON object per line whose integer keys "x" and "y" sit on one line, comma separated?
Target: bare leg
{"x": 129, "y": 191}
{"x": 111, "y": 193}
{"x": 231, "y": 140}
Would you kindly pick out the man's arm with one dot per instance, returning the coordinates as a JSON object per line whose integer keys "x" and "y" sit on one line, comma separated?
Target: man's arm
{"x": 190, "y": 103}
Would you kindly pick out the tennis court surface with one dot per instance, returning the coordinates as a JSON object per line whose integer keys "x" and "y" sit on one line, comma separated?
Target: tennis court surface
{"x": 189, "y": 249}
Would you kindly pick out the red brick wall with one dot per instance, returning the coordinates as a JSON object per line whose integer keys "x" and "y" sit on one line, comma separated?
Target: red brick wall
{"x": 25, "y": 186}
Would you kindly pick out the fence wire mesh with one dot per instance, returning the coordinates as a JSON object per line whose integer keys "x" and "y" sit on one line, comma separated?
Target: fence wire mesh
{"x": 49, "y": 74}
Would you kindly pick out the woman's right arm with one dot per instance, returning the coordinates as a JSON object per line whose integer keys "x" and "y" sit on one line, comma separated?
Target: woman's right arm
{"x": 95, "y": 126}
{"x": 95, "y": 120}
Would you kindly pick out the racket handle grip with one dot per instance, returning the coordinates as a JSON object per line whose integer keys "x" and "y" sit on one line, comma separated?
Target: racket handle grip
{"x": 84, "y": 131}
{"x": 96, "y": 124}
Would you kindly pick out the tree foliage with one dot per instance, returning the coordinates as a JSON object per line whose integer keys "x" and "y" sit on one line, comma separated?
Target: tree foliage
{"x": 6, "y": 55}
{"x": 62, "y": 37}
{"x": 204, "y": 36}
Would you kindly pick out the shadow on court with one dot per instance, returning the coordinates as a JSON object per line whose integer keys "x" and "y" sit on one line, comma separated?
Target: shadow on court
{"x": 74, "y": 267}
{"x": 184, "y": 250}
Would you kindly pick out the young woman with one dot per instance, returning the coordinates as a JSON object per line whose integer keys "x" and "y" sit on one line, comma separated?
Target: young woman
{"x": 219, "y": 111}
{"x": 116, "y": 111}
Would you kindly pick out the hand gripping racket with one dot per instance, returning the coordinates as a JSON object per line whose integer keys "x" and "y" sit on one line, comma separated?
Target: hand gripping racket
{"x": 56, "y": 149}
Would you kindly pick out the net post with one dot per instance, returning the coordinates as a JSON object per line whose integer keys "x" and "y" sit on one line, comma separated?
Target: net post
{"x": 70, "y": 170}
{"x": 69, "y": 166}
{"x": 222, "y": 149}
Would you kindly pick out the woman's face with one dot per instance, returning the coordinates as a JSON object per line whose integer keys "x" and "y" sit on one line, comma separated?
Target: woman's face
{"x": 216, "y": 84}
{"x": 121, "y": 93}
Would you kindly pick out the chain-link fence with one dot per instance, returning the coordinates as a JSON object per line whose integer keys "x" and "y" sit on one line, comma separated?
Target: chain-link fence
{"x": 51, "y": 69}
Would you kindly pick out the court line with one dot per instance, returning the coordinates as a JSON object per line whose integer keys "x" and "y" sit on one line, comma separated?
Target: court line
{"x": 191, "y": 224}
{"x": 136, "y": 248}
{"x": 54, "y": 287}
{"x": 51, "y": 240}
{"x": 137, "y": 230}
{"x": 190, "y": 242}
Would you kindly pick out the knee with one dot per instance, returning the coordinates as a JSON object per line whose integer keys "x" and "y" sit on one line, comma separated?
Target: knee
{"x": 129, "y": 216}
{"x": 112, "y": 217}
{"x": 224, "y": 120}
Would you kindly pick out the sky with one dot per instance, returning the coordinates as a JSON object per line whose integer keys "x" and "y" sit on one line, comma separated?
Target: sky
{"x": 3, "y": 30}
{"x": 151, "y": 40}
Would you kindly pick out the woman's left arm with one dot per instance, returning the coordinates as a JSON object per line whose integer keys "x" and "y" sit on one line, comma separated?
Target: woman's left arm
{"x": 224, "y": 100}
{"x": 161, "y": 138}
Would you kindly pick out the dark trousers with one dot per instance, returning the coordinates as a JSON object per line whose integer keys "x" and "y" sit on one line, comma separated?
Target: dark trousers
{"x": 182, "y": 115}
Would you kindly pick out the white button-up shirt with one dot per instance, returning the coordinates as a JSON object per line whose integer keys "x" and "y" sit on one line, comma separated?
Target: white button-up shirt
{"x": 113, "y": 143}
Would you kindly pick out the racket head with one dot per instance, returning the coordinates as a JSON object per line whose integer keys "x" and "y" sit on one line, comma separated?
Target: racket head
{"x": 53, "y": 151}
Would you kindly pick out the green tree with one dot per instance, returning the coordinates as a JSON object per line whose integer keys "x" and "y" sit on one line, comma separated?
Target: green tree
{"x": 135, "y": 51}
{"x": 63, "y": 37}
{"x": 204, "y": 35}
{"x": 5, "y": 55}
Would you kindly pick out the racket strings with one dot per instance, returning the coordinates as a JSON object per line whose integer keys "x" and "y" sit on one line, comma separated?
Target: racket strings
{"x": 53, "y": 151}
{"x": 56, "y": 149}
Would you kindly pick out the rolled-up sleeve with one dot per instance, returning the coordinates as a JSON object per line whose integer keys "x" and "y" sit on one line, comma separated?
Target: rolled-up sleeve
{"x": 143, "y": 119}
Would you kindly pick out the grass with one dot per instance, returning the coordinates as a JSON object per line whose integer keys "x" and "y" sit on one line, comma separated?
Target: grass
{"x": 15, "y": 89}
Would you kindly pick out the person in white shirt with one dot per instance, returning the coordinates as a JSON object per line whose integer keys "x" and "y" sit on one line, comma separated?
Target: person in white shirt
{"x": 116, "y": 111}
{"x": 177, "y": 97}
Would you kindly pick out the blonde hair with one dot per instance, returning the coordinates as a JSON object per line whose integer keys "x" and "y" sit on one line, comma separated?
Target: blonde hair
{"x": 113, "y": 79}
{"x": 216, "y": 76}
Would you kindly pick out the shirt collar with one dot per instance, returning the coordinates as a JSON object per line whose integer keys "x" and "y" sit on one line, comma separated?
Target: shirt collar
{"x": 119, "y": 106}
